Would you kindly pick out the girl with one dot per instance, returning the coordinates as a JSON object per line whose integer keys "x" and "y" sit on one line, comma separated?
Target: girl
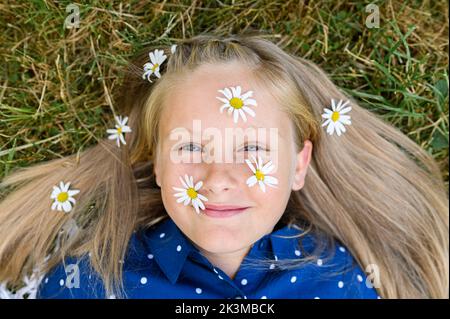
{"x": 327, "y": 202}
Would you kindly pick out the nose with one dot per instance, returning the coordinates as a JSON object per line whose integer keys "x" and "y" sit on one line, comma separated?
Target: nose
{"x": 219, "y": 178}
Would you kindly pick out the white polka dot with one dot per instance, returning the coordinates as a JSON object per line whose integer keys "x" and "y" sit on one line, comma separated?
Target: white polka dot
{"x": 46, "y": 280}
{"x": 178, "y": 248}
{"x": 220, "y": 277}
{"x": 316, "y": 298}
{"x": 360, "y": 278}
{"x": 264, "y": 297}
{"x": 143, "y": 280}
{"x": 276, "y": 258}
{"x": 90, "y": 276}
{"x": 297, "y": 252}
{"x": 293, "y": 279}
{"x": 340, "y": 284}
{"x": 198, "y": 290}
{"x": 61, "y": 282}
{"x": 162, "y": 235}
{"x": 150, "y": 256}
{"x": 215, "y": 270}
{"x": 342, "y": 249}
{"x": 272, "y": 266}
{"x": 244, "y": 281}
{"x": 319, "y": 262}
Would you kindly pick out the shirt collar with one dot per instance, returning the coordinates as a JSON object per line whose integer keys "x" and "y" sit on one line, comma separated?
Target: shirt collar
{"x": 170, "y": 247}
{"x": 284, "y": 242}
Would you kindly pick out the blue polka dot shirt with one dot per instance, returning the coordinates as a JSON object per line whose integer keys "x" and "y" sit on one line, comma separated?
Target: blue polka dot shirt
{"x": 161, "y": 262}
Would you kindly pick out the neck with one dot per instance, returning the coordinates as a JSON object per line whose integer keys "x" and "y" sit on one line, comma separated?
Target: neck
{"x": 228, "y": 262}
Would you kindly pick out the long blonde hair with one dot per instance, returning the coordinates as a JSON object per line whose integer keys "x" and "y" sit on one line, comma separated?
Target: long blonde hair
{"x": 372, "y": 188}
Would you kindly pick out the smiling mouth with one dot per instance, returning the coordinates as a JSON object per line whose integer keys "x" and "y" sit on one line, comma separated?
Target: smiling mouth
{"x": 223, "y": 210}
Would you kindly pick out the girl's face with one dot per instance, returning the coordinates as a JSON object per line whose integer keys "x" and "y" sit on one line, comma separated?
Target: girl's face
{"x": 194, "y": 107}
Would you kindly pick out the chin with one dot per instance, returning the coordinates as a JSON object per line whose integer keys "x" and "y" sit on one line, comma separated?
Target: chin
{"x": 220, "y": 243}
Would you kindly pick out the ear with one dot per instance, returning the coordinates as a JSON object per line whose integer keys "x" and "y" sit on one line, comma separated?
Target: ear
{"x": 301, "y": 166}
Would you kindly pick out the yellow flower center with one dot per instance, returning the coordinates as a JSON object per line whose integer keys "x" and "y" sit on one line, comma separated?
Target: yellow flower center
{"x": 236, "y": 103}
{"x": 192, "y": 193}
{"x": 63, "y": 196}
{"x": 259, "y": 175}
{"x": 155, "y": 66}
{"x": 335, "y": 116}
{"x": 119, "y": 130}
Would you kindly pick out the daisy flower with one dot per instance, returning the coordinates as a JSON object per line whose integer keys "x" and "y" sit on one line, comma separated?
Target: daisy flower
{"x": 260, "y": 174}
{"x": 236, "y": 103}
{"x": 157, "y": 57}
{"x": 189, "y": 194}
{"x": 335, "y": 117}
{"x": 121, "y": 128}
{"x": 63, "y": 197}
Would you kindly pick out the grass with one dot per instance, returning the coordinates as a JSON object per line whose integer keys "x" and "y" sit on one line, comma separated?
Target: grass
{"x": 57, "y": 85}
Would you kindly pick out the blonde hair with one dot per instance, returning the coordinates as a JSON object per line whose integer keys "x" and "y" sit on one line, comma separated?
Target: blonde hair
{"x": 372, "y": 188}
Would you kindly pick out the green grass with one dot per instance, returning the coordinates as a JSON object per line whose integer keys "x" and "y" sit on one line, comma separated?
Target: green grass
{"x": 58, "y": 85}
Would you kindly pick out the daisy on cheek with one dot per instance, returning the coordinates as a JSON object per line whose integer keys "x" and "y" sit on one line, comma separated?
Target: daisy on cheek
{"x": 260, "y": 174}
{"x": 189, "y": 194}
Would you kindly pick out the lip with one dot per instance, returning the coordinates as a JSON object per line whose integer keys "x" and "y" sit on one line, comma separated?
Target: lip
{"x": 221, "y": 211}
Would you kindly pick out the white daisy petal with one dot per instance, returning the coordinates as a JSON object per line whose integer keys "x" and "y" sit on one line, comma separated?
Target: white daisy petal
{"x": 185, "y": 185}
{"x": 235, "y": 116}
{"x": 242, "y": 114}
{"x": 333, "y": 106}
{"x": 182, "y": 199}
{"x": 250, "y": 165}
{"x": 246, "y": 95}
{"x": 250, "y": 102}
{"x": 228, "y": 93}
{"x": 195, "y": 204}
{"x": 262, "y": 186}
{"x": 223, "y": 100}
{"x": 66, "y": 206}
{"x": 251, "y": 181}
{"x": 270, "y": 180}
{"x": 198, "y": 185}
{"x": 73, "y": 192}
{"x": 223, "y": 107}
{"x": 249, "y": 111}
{"x": 122, "y": 139}
{"x": 330, "y": 128}
{"x": 326, "y": 122}
{"x": 346, "y": 110}
{"x": 179, "y": 194}
{"x": 200, "y": 204}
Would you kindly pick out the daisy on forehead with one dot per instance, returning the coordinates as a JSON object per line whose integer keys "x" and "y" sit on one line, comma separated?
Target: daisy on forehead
{"x": 213, "y": 204}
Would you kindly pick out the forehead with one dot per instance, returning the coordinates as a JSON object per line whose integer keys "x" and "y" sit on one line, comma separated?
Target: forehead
{"x": 195, "y": 98}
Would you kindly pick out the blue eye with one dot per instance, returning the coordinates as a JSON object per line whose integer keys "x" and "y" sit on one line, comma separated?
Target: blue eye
{"x": 253, "y": 148}
{"x": 190, "y": 147}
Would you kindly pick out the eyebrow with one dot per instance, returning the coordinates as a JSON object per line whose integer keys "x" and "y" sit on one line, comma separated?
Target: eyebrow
{"x": 181, "y": 129}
